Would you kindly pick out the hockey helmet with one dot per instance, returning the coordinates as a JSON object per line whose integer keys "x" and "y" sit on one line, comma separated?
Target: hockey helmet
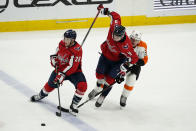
{"x": 119, "y": 30}
{"x": 70, "y": 34}
{"x": 136, "y": 35}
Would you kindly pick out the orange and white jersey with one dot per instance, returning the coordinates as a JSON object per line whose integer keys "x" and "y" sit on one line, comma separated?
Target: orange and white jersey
{"x": 141, "y": 51}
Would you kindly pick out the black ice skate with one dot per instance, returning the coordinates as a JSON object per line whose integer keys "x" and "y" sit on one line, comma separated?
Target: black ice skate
{"x": 99, "y": 101}
{"x": 123, "y": 100}
{"x": 38, "y": 97}
{"x": 73, "y": 109}
{"x": 96, "y": 90}
{"x": 92, "y": 94}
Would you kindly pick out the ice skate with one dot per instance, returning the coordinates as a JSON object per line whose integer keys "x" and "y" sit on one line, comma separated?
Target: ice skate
{"x": 73, "y": 109}
{"x": 38, "y": 97}
{"x": 99, "y": 101}
{"x": 123, "y": 100}
{"x": 92, "y": 94}
{"x": 96, "y": 90}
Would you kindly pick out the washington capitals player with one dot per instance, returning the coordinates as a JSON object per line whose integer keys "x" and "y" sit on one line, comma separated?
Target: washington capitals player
{"x": 67, "y": 62}
{"x": 115, "y": 51}
{"x": 132, "y": 76}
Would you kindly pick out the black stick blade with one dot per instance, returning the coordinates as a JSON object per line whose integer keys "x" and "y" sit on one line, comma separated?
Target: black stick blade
{"x": 62, "y": 109}
{"x": 58, "y": 114}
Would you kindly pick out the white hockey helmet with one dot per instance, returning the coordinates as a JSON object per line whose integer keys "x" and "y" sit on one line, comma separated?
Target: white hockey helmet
{"x": 135, "y": 37}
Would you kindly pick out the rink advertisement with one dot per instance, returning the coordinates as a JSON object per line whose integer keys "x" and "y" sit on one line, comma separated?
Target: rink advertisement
{"x": 20, "y": 15}
{"x": 174, "y": 4}
{"x": 49, "y": 3}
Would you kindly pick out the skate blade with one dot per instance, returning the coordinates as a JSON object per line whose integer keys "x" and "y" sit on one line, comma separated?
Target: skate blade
{"x": 73, "y": 113}
{"x": 122, "y": 107}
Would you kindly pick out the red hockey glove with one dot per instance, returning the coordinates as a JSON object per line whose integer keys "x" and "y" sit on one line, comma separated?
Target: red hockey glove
{"x": 54, "y": 60}
{"x": 59, "y": 78}
{"x": 100, "y": 7}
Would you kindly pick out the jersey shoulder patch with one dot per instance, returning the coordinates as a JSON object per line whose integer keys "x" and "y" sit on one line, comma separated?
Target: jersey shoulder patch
{"x": 126, "y": 46}
{"x": 77, "y": 49}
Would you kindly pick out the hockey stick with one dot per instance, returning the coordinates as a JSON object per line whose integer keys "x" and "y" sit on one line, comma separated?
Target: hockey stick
{"x": 101, "y": 91}
{"x": 58, "y": 113}
{"x": 90, "y": 28}
{"x": 96, "y": 94}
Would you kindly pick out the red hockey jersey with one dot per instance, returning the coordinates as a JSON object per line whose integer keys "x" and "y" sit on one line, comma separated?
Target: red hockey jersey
{"x": 69, "y": 58}
{"x": 113, "y": 50}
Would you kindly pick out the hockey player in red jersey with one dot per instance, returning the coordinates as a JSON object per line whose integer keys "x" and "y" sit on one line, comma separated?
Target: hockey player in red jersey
{"x": 132, "y": 76}
{"x": 67, "y": 62}
{"x": 115, "y": 51}
{"x": 140, "y": 48}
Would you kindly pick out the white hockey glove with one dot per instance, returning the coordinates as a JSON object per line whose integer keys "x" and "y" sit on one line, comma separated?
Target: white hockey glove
{"x": 54, "y": 60}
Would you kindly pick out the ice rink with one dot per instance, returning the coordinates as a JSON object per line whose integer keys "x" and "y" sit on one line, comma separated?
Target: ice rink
{"x": 164, "y": 98}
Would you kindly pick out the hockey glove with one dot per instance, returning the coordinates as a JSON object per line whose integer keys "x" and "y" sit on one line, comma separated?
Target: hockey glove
{"x": 140, "y": 62}
{"x": 54, "y": 60}
{"x": 122, "y": 73}
{"x": 120, "y": 77}
{"x": 59, "y": 78}
{"x": 105, "y": 11}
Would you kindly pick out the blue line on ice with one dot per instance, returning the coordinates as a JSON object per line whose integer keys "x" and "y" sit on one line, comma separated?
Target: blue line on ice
{"x": 26, "y": 91}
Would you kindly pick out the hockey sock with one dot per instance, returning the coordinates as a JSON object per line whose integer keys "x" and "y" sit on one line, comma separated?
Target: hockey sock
{"x": 47, "y": 89}
{"x": 127, "y": 89}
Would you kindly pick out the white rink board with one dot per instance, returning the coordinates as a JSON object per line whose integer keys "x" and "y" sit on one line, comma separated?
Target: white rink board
{"x": 23, "y": 10}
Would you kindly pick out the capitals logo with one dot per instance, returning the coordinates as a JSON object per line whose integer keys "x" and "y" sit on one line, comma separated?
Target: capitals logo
{"x": 63, "y": 59}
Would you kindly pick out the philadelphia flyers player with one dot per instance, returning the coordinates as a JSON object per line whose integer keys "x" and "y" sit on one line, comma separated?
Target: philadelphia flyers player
{"x": 116, "y": 49}
{"x": 67, "y": 62}
{"x": 140, "y": 48}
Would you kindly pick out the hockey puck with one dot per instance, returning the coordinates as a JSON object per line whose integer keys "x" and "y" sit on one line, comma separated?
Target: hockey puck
{"x": 43, "y": 124}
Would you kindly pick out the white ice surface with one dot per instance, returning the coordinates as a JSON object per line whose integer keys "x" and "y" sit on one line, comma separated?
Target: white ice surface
{"x": 164, "y": 98}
